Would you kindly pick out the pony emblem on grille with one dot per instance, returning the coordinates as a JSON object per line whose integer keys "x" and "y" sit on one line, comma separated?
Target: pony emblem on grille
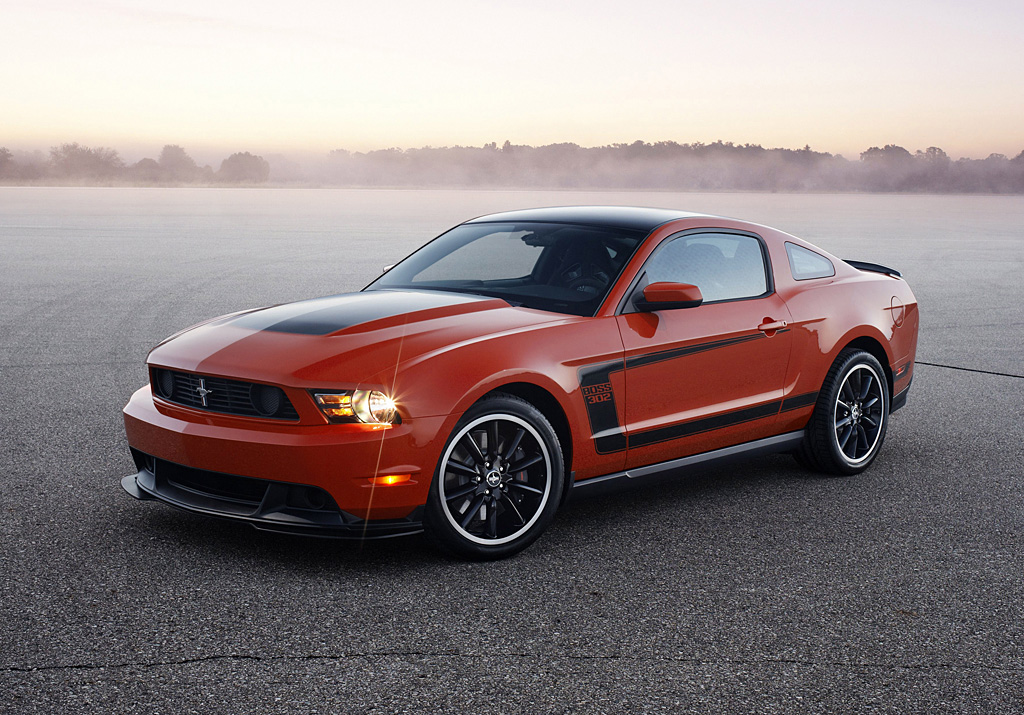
{"x": 203, "y": 392}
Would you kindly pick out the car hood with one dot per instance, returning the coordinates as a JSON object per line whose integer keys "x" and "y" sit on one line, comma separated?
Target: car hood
{"x": 347, "y": 338}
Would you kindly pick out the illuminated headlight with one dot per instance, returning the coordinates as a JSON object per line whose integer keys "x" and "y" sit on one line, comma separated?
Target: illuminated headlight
{"x": 373, "y": 407}
{"x": 368, "y": 406}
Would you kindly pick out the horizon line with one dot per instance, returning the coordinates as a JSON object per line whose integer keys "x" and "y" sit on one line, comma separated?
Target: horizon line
{"x": 322, "y": 152}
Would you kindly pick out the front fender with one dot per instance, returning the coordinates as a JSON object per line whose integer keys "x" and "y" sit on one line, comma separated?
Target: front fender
{"x": 547, "y": 357}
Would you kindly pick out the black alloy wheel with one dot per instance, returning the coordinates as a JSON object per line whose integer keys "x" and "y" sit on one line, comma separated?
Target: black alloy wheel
{"x": 847, "y": 428}
{"x": 499, "y": 480}
{"x": 857, "y": 416}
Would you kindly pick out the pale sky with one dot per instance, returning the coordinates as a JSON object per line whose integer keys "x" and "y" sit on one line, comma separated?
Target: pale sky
{"x": 312, "y": 75}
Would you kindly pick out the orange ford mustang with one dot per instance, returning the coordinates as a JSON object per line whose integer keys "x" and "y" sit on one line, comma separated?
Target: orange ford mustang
{"x": 515, "y": 358}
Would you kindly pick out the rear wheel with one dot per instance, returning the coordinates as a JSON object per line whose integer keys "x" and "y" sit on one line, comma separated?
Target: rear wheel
{"x": 848, "y": 425}
{"x": 499, "y": 480}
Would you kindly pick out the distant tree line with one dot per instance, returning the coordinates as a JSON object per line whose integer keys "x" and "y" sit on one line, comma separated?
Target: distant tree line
{"x": 673, "y": 166}
{"x": 639, "y": 165}
{"x": 100, "y": 165}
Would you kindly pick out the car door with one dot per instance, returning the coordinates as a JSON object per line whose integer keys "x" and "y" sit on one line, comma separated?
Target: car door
{"x": 711, "y": 376}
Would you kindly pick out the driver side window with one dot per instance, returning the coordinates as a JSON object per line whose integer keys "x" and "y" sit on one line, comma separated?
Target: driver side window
{"x": 724, "y": 266}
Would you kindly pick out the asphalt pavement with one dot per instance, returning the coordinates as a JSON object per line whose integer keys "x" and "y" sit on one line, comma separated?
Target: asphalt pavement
{"x": 759, "y": 587}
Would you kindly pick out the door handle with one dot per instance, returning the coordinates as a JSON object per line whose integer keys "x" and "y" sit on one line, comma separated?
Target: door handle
{"x": 771, "y": 327}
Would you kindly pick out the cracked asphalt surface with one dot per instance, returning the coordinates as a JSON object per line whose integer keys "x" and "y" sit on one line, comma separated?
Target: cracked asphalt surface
{"x": 754, "y": 588}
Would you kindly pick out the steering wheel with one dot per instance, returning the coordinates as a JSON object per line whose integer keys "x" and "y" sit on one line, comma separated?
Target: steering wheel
{"x": 587, "y": 285}
{"x": 583, "y": 273}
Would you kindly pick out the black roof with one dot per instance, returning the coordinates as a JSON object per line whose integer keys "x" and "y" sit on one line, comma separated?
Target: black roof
{"x": 628, "y": 217}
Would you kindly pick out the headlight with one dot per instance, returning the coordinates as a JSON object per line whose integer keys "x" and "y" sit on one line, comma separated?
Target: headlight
{"x": 368, "y": 406}
{"x": 373, "y": 407}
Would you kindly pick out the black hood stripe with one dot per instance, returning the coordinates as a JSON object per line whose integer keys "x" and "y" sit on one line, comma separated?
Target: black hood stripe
{"x": 323, "y": 316}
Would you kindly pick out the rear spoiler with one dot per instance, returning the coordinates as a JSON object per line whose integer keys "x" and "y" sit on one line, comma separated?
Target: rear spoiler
{"x": 873, "y": 267}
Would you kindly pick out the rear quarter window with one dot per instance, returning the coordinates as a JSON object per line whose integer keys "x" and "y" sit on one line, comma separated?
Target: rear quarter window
{"x": 805, "y": 264}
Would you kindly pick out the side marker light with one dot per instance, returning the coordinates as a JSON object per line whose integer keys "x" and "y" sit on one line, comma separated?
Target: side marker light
{"x": 389, "y": 480}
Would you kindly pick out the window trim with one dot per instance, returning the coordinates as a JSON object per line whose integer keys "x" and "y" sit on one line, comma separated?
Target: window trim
{"x": 789, "y": 260}
{"x": 625, "y": 306}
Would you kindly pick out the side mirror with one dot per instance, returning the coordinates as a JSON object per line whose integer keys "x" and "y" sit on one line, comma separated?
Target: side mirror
{"x": 387, "y": 268}
{"x": 668, "y": 296}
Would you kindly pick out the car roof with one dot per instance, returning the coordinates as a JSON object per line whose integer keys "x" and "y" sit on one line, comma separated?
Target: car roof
{"x": 627, "y": 217}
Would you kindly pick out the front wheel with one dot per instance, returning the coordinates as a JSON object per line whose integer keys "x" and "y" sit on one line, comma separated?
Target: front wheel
{"x": 848, "y": 425}
{"x": 499, "y": 480}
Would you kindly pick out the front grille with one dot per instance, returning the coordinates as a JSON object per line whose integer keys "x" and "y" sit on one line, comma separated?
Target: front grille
{"x": 232, "y": 397}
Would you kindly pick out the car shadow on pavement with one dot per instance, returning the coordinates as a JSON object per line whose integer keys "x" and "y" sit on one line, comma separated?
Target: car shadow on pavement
{"x": 583, "y": 521}
{"x": 215, "y": 540}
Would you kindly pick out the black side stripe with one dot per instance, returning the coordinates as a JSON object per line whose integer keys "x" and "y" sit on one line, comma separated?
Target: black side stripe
{"x": 706, "y": 424}
{"x": 609, "y": 435}
{"x": 798, "y": 401}
{"x": 661, "y": 356}
{"x": 595, "y": 383}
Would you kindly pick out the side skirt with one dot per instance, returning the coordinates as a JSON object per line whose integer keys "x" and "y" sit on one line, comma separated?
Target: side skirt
{"x": 768, "y": 445}
{"x": 900, "y": 400}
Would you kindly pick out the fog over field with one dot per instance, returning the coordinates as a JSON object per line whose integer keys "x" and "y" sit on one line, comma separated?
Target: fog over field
{"x": 640, "y": 165}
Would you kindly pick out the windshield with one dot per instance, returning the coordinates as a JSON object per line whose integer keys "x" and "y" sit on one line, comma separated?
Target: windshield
{"x": 557, "y": 267}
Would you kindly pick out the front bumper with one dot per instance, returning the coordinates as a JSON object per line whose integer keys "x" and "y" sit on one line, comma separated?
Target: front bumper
{"x": 267, "y": 505}
{"x": 341, "y": 460}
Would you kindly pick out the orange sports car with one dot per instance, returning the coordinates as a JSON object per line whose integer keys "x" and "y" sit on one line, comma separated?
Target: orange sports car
{"x": 516, "y": 358}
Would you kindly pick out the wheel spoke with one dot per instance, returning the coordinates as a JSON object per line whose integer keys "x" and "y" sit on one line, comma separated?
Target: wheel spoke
{"x": 844, "y": 438}
{"x": 465, "y": 491}
{"x": 457, "y": 466}
{"x": 847, "y": 391}
{"x": 516, "y": 510}
{"x": 492, "y": 439}
{"x": 843, "y": 422}
{"x": 865, "y": 386}
{"x": 473, "y": 448}
{"x": 843, "y": 405}
{"x": 870, "y": 403}
{"x": 528, "y": 462}
{"x": 870, "y": 420}
{"x": 851, "y": 446}
{"x": 862, "y": 438}
{"x": 492, "y": 520}
{"x": 514, "y": 445}
{"x": 472, "y": 510}
{"x": 526, "y": 488}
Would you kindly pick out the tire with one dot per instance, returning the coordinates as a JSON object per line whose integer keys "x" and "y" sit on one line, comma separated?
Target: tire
{"x": 498, "y": 483}
{"x": 847, "y": 427}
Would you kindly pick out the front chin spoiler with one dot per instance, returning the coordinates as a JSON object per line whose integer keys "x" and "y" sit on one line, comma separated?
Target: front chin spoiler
{"x": 273, "y": 512}
{"x": 130, "y": 485}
